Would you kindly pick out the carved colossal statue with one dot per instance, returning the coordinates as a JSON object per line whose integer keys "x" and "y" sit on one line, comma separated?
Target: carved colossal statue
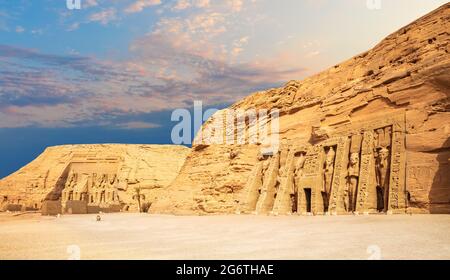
{"x": 382, "y": 176}
{"x": 71, "y": 181}
{"x": 328, "y": 176}
{"x": 67, "y": 193}
{"x": 352, "y": 182}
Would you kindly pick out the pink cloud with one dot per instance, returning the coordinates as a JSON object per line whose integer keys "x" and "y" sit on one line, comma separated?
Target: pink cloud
{"x": 140, "y": 5}
{"x": 182, "y": 5}
{"x": 137, "y": 125}
{"x": 89, "y": 3}
{"x": 104, "y": 17}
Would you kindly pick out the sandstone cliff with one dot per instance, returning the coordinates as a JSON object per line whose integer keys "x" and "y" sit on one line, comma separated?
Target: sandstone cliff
{"x": 90, "y": 169}
{"x": 389, "y": 107}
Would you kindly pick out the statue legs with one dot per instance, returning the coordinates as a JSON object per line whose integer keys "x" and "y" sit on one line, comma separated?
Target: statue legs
{"x": 352, "y": 192}
{"x": 380, "y": 199}
{"x": 326, "y": 201}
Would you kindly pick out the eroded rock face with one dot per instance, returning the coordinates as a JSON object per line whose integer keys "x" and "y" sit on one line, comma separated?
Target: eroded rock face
{"x": 370, "y": 134}
{"x": 108, "y": 177}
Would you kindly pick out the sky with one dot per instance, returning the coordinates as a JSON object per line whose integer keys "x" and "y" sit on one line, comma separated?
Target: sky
{"x": 114, "y": 70}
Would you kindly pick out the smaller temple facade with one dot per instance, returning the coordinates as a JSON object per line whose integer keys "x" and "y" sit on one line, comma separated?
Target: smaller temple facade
{"x": 357, "y": 170}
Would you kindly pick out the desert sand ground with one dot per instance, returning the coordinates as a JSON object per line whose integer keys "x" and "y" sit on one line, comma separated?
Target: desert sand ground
{"x": 144, "y": 236}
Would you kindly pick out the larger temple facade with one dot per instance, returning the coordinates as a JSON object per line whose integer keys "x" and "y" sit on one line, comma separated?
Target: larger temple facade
{"x": 80, "y": 179}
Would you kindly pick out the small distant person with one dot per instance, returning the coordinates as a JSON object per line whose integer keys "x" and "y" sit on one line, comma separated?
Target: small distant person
{"x": 99, "y": 218}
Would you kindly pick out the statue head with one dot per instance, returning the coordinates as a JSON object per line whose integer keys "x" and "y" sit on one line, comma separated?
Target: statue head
{"x": 330, "y": 156}
{"x": 261, "y": 157}
{"x": 301, "y": 162}
{"x": 354, "y": 158}
{"x": 383, "y": 154}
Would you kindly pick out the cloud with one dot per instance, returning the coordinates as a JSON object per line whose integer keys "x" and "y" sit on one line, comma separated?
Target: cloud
{"x": 185, "y": 4}
{"x": 235, "y": 5}
{"x": 182, "y": 5}
{"x": 73, "y": 26}
{"x": 204, "y": 54}
{"x": 140, "y": 5}
{"x": 137, "y": 125}
{"x": 37, "y": 31}
{"x": 104, "y": 17}
{"x": 20, "y": 29}
{"x": 161, "y": 74}
{"x": 201, "y": 3}
{"x": 89, "y": 3}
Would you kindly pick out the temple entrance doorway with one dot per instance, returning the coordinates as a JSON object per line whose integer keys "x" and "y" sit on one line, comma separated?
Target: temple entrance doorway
{"x": 308, "y": 200}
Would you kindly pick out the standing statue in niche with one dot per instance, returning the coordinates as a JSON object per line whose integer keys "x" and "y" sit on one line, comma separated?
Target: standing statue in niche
{"x": 352, "y": 182}
{"x": 328, "y": 177}
{"x": 67, "y": 193}
{"x": 298, "y": 172}
{"x": 282, "y": 169}
{"x": 382, "y": 176}
{"x": 266, "y": 163}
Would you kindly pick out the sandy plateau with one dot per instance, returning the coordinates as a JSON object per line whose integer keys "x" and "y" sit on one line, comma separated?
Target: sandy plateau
{"x": 144, "y": 236}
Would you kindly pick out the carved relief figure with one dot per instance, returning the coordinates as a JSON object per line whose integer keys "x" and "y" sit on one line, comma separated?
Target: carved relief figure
{"x": 352, "y": 182}
{"x": 282, "y": 171}
{"x": 328, "y": 176}
{"x": 382, "y": 176}
{"x": 298, "y": 172}
{"x": 266, "y": 163}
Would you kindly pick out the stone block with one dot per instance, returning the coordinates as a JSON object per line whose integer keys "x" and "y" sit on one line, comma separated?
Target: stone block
{"x": 76, "y": 207}
{"x": 51, "y": 208}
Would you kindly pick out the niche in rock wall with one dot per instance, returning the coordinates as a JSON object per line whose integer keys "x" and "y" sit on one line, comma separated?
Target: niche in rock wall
{"x": 382, "y": 154}
{"x": 353, "y": 170}
{"x": 299, "y": 164}
{"x": 308, "y": 199}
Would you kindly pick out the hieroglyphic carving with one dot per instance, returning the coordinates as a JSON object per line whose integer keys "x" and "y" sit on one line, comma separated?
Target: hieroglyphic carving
{"x": 398, "y": 166}
{"x": 339, "y": 169}
{"x": 367, "y": 163}
{"x": 312, "y": 163}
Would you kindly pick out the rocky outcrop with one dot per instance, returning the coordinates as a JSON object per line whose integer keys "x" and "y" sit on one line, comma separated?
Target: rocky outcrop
{"x": 368, "y": 135}
{"x": 104, "y": 176}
